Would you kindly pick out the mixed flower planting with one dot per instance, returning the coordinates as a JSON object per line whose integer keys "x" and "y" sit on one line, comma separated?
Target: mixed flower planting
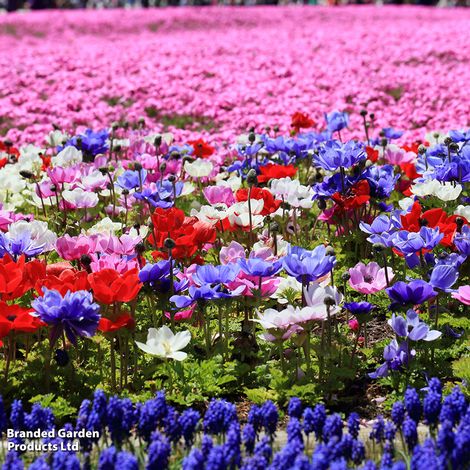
{"x": 208, "y": 280}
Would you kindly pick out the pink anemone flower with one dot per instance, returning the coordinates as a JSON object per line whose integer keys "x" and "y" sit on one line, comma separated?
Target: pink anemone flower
{"x": 370, "y": 278}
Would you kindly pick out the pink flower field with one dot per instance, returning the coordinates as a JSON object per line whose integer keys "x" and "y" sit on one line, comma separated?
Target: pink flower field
{"x": 212, "y": 73}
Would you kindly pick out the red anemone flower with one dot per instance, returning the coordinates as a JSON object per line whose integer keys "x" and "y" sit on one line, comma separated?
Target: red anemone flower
{"x": 270, "y": 204}
{"x": 273, "y": 171}
{"x": 18, "y": 319}
{"x": 432, "y": 218}
{"x": 301, "y": 121}
{"x": 67, "y": 280}
{"x": 109, "y": 286}
{"x": 201, "y": 148}
{"x": 188, "y": 233}
{"x": 122, "y": 321}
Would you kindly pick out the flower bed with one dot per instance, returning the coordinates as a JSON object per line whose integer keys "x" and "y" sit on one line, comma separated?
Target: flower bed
{"x": 217, "y": 74}
{"x": 115, "y": 433}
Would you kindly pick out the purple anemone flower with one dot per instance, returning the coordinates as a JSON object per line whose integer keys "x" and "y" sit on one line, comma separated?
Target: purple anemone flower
{"x": 306, "y": 265}
{"x": 210, "y": 274}
{"x": 462, "y": 240}
{"x": 336, "y": 120}
{"x": 443, "y": 277}
{"x": 259, "y": 267}
{"x": 412, "y": 327}
{"x": 397, "y": 356}
{"x": 157, "y": 276}
{"x": 75, "y": 314}
{"x": 411, "y": 243}
{"x": 414, "y": 293}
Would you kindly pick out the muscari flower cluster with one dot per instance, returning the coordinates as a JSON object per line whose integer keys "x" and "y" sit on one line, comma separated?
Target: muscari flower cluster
{"x": 425, "y": 430}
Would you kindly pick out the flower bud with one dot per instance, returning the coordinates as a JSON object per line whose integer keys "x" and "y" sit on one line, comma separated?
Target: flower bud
{"x": 345, "y": 276}
{"x": 378, "y": 247}
{"x": 85, "y": 260}
{"x": 252, "y": 178}
{"x": 330, "y": 251}
{"x": 169, "y": 243}
{"x": 421, "y": 149}
{"x": 26, "y": 174}
{"x": 321, "y": 204}
{"x": 158, "y": 141}
{"x": 363, "y": 112}
{"x": 139, "y": 248}
{"x": 329, "y": 301}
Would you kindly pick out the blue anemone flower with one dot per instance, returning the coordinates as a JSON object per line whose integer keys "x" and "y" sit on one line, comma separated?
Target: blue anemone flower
{"x": 336, "y": 120}
{"x": 90, "y": 143}
{"x": 414, "y": 293}
{"x": 132, "y": 179}
{"x": 75, "y": 314}
{"x": 259, "y": 267}
{"x": 306, "y": 265}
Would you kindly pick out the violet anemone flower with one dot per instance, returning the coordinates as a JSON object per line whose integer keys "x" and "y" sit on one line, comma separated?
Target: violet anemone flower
{"x": 414, "y": 293}
{"x": 443, "y": 277}
{"x": 203, "y": 294}
{"x": 411, "y": 243}
{"x": 210, "y": 274}
{"x": 397, "y": 357}
{"x": 336, "y": 120}
{"x": 259, "y": 267}
{"x": 157, "y": 276}
{"x": 462, "y": 240}
{"x": 360, "y": 310}
{"x": 308, "y": 265}
{"x": 412, "y": 327}
{"x": 75, "y": 314}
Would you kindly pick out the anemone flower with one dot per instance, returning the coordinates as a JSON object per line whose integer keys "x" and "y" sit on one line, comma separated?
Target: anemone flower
{"x": 412, "y": 327}
{"x": 414, "y": 293}
{"x": 75, "y": 314}
{"x": 462, "y": 294}
{"x": 165, "y": 344}
{"x": 370, "y": 278}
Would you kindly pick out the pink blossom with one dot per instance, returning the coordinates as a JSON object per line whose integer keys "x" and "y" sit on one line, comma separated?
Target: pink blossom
{"x": 370, "y": 278}
{"x": 71, "y": 248}
{"x": 112, "y": 261}
{"x": 462, "y": 294}
{"x": 219, "y": 194}
{"x": 232, "y": 253}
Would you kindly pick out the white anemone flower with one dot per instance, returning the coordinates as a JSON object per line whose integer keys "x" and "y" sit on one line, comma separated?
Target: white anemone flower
{"x": 105, "y": 226}
{"x": 292, "y": 192}
{"x": 239, "y": 213}
{"x": 233, "y": 182}
{"x": 56, "y": 138}
{"x": 80, "y": 199}
{"x": 199, "y": 168}
{"x": 164, "y": 343}
{"x": 428, "y": 188}
{"x": 210, "y": 214}
{"x": 463, "y": 211}
{"x": 69, "y": 156}
{"x": 37, "y": 231}
{"x": 448, "y": 192}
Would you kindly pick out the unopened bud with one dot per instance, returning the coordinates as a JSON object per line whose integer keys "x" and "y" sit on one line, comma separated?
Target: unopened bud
{"x": 378, "y": 247}
{"x": 252, "y": 177}
{"x": 169, "y": 243}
